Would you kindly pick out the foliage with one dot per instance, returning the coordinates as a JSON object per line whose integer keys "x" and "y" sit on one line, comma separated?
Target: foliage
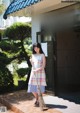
{"x": 16, "y": 49}
{"x": 18, "y": 31}
{"x": 10, "y": 45}
{"x": 2, "y": 8}
{"x": 23, "y": 71}
{"x": 10, "y": 51}
{"x": 6, "y": 78}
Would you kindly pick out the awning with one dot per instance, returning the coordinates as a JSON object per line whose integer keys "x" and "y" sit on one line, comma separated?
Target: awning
{"x": 29, "y": 7}
{"x": 17, "y": 5}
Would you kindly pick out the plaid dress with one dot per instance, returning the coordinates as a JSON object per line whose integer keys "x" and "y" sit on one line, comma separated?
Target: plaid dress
{"x": 39, "y": 76}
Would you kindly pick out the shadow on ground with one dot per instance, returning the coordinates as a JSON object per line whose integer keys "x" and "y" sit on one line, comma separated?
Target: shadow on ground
{"x": 16, "y": 97}
{"x": 56, "y": 106}
{"x": 71, "y": 96}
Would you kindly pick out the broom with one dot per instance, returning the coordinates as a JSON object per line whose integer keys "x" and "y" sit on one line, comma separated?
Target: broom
{"x": 40, "y": 97}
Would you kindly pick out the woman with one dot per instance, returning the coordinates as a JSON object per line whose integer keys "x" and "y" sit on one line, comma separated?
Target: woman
{"x": 38, "y": 62}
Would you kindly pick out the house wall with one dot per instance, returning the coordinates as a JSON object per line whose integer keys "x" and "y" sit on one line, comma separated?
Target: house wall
{"x": 50, "y": 25}
{"x": 59, "y": 19}
{"x": 53, "y": 23}
{"x": 36, "y": 27}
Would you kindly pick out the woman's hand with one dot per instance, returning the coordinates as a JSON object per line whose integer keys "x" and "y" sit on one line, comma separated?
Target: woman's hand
{"x": 37, "y": 70}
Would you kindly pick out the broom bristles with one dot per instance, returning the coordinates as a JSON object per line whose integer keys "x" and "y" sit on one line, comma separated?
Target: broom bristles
{"x": 41, "y": 101}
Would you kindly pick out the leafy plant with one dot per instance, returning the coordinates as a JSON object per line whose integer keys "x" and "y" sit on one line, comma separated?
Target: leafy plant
{"x": 20, "y": 31}
{"x": 16, "y": 48}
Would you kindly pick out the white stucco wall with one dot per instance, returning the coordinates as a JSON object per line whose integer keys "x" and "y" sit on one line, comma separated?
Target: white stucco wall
{"x": 60, "y": 19}
{"x": 36, "y": 27}
{"x": 53, "y": 21}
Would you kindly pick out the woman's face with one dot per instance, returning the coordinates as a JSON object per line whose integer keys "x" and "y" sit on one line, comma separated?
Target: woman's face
{"x": 36, "y": 49}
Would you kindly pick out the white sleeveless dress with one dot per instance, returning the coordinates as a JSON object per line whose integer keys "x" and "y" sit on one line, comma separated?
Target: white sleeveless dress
{"x": 37, "y": 77}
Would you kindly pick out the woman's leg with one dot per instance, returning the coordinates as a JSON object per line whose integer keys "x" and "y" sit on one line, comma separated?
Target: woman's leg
{"x": 37, "y": 101}
{"x": 35, "y": 95}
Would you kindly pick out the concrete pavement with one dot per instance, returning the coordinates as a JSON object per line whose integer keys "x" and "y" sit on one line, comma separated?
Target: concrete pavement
{"x": 21, "y": 102}
{"x": 62, "y": 105}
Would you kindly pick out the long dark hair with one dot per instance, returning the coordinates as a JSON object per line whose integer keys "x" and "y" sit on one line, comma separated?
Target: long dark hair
{"x": 39, "y": 46}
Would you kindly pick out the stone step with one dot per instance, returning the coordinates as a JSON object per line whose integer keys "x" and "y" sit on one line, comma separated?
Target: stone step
{"x": 8, "y": 111}
{"x": 11, "y": 107}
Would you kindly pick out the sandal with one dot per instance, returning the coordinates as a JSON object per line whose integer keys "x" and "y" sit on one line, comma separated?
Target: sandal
{"x": 36, "y": 104}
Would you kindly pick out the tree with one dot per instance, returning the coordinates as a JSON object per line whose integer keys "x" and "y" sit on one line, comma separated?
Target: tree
{"x": 6, "y": 78}
{"x": 2, "y": 8}
{"x": 19, "y": 31}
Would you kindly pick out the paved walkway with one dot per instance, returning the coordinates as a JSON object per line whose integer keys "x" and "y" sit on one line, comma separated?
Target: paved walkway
{"x": 21, "y": 102}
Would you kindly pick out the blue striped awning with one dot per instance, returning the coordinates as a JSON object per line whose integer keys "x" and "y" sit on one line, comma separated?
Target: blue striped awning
{"x": 17, "y": 5}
